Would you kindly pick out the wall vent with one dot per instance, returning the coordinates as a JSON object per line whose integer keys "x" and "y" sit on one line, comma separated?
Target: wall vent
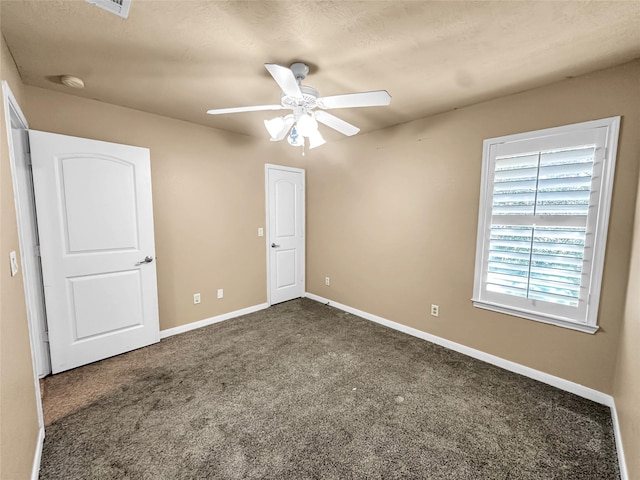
{"x": 119, "y": 7}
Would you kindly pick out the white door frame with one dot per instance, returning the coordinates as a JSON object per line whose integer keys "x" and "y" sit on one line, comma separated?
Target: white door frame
{"x": 267, "y": 167}
{"x": 12, "y": 111}
{"x": 27, "y": 236}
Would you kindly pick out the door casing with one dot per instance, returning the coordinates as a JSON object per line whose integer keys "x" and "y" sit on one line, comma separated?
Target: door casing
{"x": 301, "y": 171}
{"x": 13, "y": 112}
{"x": 27, "y": 233}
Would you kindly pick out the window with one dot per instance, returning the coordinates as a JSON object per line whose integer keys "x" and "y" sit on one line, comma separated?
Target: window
{"x": 542, "y": 225}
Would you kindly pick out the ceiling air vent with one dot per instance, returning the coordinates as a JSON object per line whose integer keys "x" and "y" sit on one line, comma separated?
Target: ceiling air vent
{"x": 119, "y": 7}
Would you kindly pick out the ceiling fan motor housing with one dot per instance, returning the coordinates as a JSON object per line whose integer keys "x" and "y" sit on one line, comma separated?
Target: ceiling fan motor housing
{"x": 306, "y": 103}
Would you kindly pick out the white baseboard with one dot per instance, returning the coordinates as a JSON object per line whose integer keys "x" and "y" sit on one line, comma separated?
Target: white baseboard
{"x": 210, "y": 321}
{"x": 622, "y": 462}
{"x": 37, "y": 457}
{"x": 561, "y": 383}
{"x": 543, "y": 377}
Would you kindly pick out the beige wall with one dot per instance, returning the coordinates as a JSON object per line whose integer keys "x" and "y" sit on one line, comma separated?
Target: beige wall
{"x": 18, "y": 412}
{"x": 208, "y": 189}
{"x": 627, "y": 380}
{"x": 208, "y": 195}
{"x": 392, "y": 218}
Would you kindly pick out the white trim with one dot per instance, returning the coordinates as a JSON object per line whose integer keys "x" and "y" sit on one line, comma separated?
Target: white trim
{"x": 549, "y": 319}
{"x": 604, "y": 132}
{"x": 604, "y": 212}
{"x": 37, "y": 457}
{"x": 27, "y": 238}
{"x": 561, "y": 383}
{"x": 210, "y": 321}
{"x": 10, "y": 99}
{"x": 266, "y": 228}
{"x": 267, "y": 167}
{"x": 622, "y": 463}
{"x": 547, "y": 132}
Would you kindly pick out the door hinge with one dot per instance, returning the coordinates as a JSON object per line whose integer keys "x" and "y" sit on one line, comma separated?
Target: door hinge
{"x": 28, "y": 157}
{"x": 36, "y": 250}
{"x": 45, "y": 337}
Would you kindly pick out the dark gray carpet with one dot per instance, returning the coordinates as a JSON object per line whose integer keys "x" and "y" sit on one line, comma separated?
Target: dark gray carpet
{"x": 304, "y": 391}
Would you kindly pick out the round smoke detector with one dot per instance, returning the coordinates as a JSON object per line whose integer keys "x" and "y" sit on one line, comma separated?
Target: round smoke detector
{"x": 71, "y": 81}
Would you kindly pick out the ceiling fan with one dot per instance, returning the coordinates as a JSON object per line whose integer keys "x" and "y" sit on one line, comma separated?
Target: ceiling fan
{"x": 304, "y": 100}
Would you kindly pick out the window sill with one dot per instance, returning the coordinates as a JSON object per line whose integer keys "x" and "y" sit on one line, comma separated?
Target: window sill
{"x": 559, "y": 322}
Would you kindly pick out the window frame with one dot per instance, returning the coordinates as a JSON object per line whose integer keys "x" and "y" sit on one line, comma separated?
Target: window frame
{"x": 604, "y": 165}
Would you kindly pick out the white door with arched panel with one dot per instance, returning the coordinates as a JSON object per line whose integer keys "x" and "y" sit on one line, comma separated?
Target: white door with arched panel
{"x": 95, "y": 221}
{"x": 285, "y": 228}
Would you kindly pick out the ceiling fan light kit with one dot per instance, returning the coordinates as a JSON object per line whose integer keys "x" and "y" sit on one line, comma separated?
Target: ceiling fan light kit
{"x": 315, "y": 140}
{"x": 306, "y": 125}
{"x": 295, "y": 139}
{"x": 274, "y": 126}
{"x": 303, "y": 100}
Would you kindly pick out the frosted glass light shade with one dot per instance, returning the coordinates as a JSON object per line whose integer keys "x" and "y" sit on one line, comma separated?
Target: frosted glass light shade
{"x": 307, "y": 125}
{"x": 274, "y": 126}
{"x": 315, "y": 140}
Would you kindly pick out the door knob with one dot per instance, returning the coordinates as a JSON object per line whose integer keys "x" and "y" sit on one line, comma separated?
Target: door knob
{"x": 147, "y": 259}
{"x": 274, "y": 245}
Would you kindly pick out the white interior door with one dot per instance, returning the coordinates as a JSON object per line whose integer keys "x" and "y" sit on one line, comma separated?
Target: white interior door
{"x": 285, "y": 216}
{"x": 95, "y": 222}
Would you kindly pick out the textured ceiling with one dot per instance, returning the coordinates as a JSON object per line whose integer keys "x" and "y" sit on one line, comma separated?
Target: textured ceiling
{"x": 180, "y": 58}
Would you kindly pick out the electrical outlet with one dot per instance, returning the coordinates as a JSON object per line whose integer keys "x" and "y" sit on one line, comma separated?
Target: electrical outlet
{"x": 327, "y": 281}
{"x": 196, "y": 298}
{"x": 435, "y": 310}
{"x": 220, "y": 293}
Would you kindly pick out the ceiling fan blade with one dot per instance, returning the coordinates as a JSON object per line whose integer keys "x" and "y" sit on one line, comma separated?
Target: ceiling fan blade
{"x": 288, "y": 122}
{"x": 285, "y": 79}
{"x": 253, "y": 108}
{"x": 336, "y": 123}
{"x": 377, "y": 98}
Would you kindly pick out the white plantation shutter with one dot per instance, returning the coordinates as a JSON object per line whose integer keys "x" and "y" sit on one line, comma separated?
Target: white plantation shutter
{"x": 543, "y": 262}
{"x": 543, "y": 211}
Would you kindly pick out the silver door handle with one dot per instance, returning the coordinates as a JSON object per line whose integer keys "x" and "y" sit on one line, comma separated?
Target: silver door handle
{"x": 147, "y": 259}
{"x": 274, "y": 245}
